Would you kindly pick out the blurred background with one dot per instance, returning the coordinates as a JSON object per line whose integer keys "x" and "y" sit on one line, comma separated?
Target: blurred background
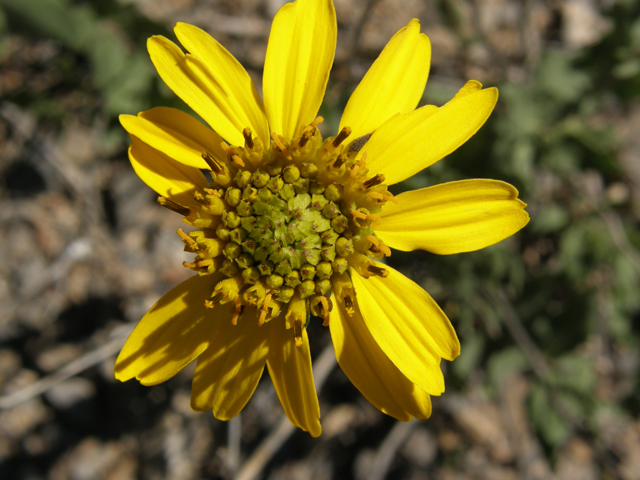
{"x": 547, "y": 386}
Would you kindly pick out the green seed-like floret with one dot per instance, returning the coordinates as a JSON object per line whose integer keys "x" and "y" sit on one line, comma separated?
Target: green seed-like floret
{"x": 306, "y": 288}
{"x": 285, "y": 294}
{"x": 232, "y": 250}
{"x": 231, "y": 219}
{"x": 324, "y": 270}
{"x": 307, "y": 272}
{"x": 233, "y": 196}
{"x": 333, "y": 192}
{"x": 293, "y": 278}
{"x": 339, "y": 224}
{"x": 245, "y": 260}
{"x": 229, "y": 268}
{"x": 309, "y": 170}
{"x": 260, "y": 179}
{"x": 265, "y": 268}
{"x": 323, "y": 287}
{"x": 244, "y": 208}
{"x": 242, "y": 178}
{"x": 223, "y": 233}
{"x": 275, "y": 281}
{"x": 238, "y": 235}
{"x": 291, "y": 173}
{"x": 344, "y": 247}
{"x": 316, "y": 188}
{"x": 340, "y": 265}
{"x": 251, "y": 275}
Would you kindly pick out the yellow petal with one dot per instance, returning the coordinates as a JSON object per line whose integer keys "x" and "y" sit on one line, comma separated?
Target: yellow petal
{"x": 300, "y": 53}
{"x": 167, "y": 177}
{"x": 371, "y": 371}
{"x": 292, "y": 376}
{"x": 394, "y": 83}
{"x": 211, "y": 81}
{"x": 175, "y": 133}
{"x": 453, "y": 217}
{"x": 172, "y": 334}
{"x": 408, "y": 325}
{"x": 228, "y": 372}
{"x": 406, "y": 144}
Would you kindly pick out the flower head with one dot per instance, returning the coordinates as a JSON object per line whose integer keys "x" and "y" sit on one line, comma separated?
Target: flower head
{"x": 290, "y": 224}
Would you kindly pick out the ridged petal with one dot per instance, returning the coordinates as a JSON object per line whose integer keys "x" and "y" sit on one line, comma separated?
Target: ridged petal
{"x": 453, "y": 217}
{"x": 300, "y": 53}
{"x": 172, "y": 334}
{"x": 211, "y": 81}
{"x": 176, "y": 134}
{"x": 394, "y": 83}
{"x": 409, "y": 327}
{"x": 371, "y": 371}
{"x": 290, "y": 370}
{"x": 173, "y": 180}
{"x": 228, "y": 372}
{"x": 406, "y": 144}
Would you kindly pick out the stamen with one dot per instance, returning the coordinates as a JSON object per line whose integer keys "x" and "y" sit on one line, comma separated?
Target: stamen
{"x": 281, "y": 146}
{"x": 356, "y": 167}
{"x": 348, "y": 305}
{"x": 359, "y": 142}
{"x": 340, "y": 161}
{"x": 208, "y": 304}
{"x": 341, "y": 137}
{"x": 316, "y": 122}
{"x": 263, "y": 309}
{"x": 237, "y": 160}
{"x": 237, "y": 312}
{"x": 248, "y": 140}
{"x": 297, "y": 332}
{"x": 373, "y": 240}
{"x": 391, "y": 198}
{"x": 376, "y": 196}
{"x": 214, "y": 165}
{"x": 201, "y": 199}
{"x": 380, "y": 272}
{"x": 186, "y": 238}
{"x": 374, "y": 218}
{"x": 359, "y": 214}
{"x": 217, "y": 297}
{"x": 372, "y": 182}
{"x": 174, "y": 207}
{"x": 304, "y": 138}
{"x": 325, "y": 310}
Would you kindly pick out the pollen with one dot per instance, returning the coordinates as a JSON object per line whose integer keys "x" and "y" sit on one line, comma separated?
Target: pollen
{"x": 284, "y": 222}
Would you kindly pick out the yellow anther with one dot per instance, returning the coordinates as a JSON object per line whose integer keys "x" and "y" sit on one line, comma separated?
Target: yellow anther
{"x": 186, "y": 238}
{"x": 237, "y": 160}
{"x": 376, "y": 196}
{"x": 374, "y": 218}
{"x": 373, "y": 240}
{"x": 316, "y": 122}
{"x": 391, "y": 198}
{"x": 359, "y": 214}
{"x": 358, "y": 165}
{"x": 280, "y": 145}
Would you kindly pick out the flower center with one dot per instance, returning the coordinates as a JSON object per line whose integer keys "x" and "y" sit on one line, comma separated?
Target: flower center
{"x": 284, "y": 223}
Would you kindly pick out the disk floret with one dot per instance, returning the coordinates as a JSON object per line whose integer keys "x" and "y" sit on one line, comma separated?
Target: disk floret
{"x": 284, "y": 223}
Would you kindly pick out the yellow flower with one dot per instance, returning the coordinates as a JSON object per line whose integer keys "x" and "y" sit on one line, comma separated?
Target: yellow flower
{"x": 288, "y": 224}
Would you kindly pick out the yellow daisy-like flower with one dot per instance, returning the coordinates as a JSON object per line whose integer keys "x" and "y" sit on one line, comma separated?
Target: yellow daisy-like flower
{"x": 288, "y": 224}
